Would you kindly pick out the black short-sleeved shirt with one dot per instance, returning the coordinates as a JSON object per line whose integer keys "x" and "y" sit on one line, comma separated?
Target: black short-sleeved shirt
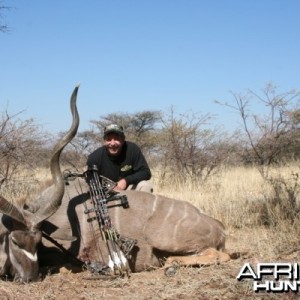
{"x": 130, "y": 164}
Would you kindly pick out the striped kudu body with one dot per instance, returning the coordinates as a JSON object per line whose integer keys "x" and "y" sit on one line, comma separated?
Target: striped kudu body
{"x": 20, "y": 233}
{"x": 162, "y": 227}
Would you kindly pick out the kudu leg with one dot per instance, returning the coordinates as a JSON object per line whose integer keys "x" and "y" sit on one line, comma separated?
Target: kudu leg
{"x": 209, "y": 256}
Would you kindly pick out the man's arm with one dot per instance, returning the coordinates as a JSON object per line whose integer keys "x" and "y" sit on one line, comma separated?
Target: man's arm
{"x": 141, "y": 170}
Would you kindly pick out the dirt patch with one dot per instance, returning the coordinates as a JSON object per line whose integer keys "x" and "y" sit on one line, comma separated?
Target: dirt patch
{"x": 215, "y": 282}
{"x": 203, "y": 283}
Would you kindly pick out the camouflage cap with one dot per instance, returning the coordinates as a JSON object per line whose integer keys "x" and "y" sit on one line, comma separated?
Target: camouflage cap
{"x": 114, "y": 128}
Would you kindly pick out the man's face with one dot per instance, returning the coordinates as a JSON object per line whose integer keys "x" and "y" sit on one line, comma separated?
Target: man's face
{"x": 113, "y": 143}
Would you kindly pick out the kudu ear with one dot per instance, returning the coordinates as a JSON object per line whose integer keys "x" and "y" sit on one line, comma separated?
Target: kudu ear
{"x": 11, "y": 210}
{"x": 50, "y": 199}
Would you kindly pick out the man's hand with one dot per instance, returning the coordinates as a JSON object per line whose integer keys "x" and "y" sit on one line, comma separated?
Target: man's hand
{"x": 121, "y": 185}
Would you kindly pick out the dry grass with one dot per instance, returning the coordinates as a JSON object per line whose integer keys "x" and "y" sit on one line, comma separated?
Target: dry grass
{"x": 233, "y": 196}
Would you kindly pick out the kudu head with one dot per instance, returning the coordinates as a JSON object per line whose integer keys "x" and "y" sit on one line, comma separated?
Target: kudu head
{"x": 20, "y": 234}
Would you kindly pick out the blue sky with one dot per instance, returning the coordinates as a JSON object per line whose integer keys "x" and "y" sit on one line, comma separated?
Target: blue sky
{"x": 131, "y": 55}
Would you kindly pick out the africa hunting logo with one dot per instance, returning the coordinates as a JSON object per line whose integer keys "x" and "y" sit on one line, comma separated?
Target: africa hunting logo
{"x": 272, "y": 277}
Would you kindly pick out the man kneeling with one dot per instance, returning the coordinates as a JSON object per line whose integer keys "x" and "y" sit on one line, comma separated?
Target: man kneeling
{"x": 121, "y": 161}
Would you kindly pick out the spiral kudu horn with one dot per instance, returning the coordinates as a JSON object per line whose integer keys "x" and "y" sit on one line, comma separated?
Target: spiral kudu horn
{"x": 50, "y": 199}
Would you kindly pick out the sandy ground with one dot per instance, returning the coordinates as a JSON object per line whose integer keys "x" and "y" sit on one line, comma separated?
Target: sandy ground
{"x": 210, "y": 282}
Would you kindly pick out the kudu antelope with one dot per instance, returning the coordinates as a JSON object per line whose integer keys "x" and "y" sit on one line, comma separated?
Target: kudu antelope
{"x": 162, "y": 227}
{"x": 20, "y": 232}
